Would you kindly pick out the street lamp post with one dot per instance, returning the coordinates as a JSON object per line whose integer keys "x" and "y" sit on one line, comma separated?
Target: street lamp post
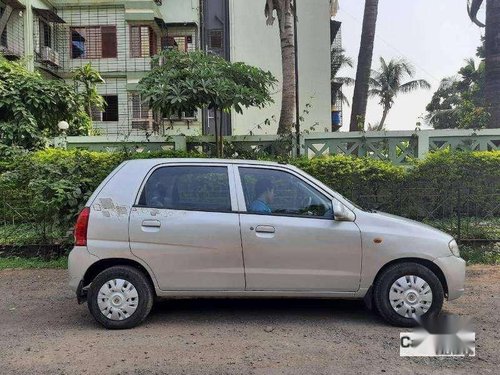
{"x": 63, "y": 126}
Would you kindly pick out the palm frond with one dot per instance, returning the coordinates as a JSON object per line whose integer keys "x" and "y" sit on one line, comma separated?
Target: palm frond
{"x": 414, "y": 85}
{"x": 375, "y": 92}
{"x": 348, "y": 81}
{"x": 473, "y": 8}
{"x": 343, "y": 98}
{"x": 373, "y": 82}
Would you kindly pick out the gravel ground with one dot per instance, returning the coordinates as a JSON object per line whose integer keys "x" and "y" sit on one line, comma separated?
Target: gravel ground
{"x": 44, "y": 331}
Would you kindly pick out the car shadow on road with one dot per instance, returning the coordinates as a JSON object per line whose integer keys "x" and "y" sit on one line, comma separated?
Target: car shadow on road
{"x": 261, "y": 310}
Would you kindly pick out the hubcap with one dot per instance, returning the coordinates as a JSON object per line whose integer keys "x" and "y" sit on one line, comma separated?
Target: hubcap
{"x": 117, "y": 299}
{"x": 410, "y": 295}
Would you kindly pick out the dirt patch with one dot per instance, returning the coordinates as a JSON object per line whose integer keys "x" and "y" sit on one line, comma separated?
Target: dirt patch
{"x": 44, "y": 331}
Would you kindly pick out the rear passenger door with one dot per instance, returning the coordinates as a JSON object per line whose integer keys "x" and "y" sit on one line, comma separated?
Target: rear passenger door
{"x": 185, "y": 226}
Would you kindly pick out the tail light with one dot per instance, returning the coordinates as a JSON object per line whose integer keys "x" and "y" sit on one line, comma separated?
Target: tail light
{"x": 82, "y": 224}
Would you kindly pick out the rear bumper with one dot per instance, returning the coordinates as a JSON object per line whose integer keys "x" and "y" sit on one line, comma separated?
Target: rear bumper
{"x": 79, "y": 261}
{"x": 454, "y": 272}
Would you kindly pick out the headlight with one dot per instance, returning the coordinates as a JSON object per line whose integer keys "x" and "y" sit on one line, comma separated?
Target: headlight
{"x": 454, "y": 248}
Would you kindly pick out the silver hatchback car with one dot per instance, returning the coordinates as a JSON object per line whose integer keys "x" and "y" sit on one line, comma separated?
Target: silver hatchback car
{"x": 228, "y": 228}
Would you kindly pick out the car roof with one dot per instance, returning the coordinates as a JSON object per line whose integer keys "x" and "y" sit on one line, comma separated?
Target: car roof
{"x": 205, "y": 161}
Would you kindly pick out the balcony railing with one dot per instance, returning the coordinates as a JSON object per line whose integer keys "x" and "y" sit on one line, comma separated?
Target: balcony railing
{"x": 398, "y": 147}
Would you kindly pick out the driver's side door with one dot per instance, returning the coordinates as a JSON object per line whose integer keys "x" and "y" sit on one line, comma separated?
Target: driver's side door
{"x": 299, "y": 246}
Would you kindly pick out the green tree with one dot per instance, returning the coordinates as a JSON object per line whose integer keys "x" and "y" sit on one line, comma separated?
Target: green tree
{"x": 31, "y": 107}
{"x": 182, "y": 82}
{"x": 387, "y": 83}
{"x": 459, "y": 101}
{"x": 360, "y": 96}
{"x": 285, "y": 11}
{"x": 88, "y": 78}
{"x": 491, "y": 56}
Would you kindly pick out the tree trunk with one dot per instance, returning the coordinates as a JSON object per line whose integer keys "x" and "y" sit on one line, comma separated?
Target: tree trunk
{"x": 492, "y": 81}
{"x": 360, "y": 97}
{"x": 287, "y": 34}
{"x": 216, "y": 131}
{"x": 382, "y": 121}
{"x": 221, "y": 138}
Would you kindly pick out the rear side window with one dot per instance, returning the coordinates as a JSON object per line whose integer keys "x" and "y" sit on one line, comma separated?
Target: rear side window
{"x": 188, "y": 188}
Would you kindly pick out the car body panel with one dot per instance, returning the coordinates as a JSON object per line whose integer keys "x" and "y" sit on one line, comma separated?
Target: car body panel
{"x": 191, "y": 250}
{"x": 328, "y": 258}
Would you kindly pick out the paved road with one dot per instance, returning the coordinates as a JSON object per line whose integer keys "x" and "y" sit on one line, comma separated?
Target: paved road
{"x": 44, "y": 331}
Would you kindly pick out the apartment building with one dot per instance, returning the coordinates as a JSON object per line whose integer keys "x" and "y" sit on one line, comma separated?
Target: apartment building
{"x": 119, "y": 38}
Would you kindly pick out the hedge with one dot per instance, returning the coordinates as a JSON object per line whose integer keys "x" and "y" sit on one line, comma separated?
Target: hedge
{"x": 48, "y": 188}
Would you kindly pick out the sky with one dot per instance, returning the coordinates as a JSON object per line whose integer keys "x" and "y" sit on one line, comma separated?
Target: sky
{"x": 436, "y": 36}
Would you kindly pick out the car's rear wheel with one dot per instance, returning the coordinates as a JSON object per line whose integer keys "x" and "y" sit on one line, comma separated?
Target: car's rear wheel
{"x": 120, "y": 297}
{"x": 405, "y": 292}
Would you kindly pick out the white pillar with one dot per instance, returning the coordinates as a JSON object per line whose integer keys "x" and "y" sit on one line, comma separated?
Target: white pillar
{"x": 28, "y": 36}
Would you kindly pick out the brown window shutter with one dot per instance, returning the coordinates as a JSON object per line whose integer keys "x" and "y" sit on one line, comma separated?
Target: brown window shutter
{"x": 135, "y": 41}
{"x": 109, "y": 44}
{"x": 152, "y": 42}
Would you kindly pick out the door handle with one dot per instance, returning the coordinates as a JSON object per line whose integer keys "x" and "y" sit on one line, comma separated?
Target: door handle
{"x": 265, "y": 229}
{"x": 151, "y": 223}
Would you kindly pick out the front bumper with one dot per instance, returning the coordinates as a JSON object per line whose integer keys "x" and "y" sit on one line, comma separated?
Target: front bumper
{"x": 454, "y": 271}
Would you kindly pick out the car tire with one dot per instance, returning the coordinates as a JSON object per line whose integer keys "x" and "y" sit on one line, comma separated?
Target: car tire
{"x": 414, "y": 274}
{"x": 129, "y": 288}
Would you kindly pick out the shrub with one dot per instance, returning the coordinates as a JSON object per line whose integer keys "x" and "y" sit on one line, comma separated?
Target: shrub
{"x": 48, "y": 188}
{"x": 353, "y": 176}
{"x": 31, "y": 106}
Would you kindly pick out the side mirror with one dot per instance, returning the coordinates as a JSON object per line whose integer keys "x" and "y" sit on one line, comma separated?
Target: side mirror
{"x": 341, "y": 212}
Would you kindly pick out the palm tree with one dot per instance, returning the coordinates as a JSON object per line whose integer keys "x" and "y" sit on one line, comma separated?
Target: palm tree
{"x": 285, "y": 11}
{"x": 339, "y": 61}
{"x": 387, "y": 83}
{"x": 360, "y": 97}
{"x": 492, "y": 55}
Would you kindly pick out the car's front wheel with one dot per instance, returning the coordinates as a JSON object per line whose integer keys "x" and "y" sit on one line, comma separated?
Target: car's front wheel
{"x": 408, "y": 291}
{"x": 120, "y": 297}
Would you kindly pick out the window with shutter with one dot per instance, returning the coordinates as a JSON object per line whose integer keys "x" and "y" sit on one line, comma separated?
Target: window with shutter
{"x": 45, "y": 34}
{"x": 140, "y": 108}
{"x": 216, "y": 41}
{"x": 93, "y": 42}
{"x": 109, "y": 43}
{"x": 143, "y": 42}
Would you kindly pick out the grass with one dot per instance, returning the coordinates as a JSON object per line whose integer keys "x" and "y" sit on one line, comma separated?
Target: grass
{"x": 31, "y": 233}
{"x": 32, "y": 263}
{"x": 481, "y": 254}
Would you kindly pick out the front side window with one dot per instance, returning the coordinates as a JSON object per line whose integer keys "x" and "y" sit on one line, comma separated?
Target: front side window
{"x": 196, "y": 188}
{"x": 269, "y": 191}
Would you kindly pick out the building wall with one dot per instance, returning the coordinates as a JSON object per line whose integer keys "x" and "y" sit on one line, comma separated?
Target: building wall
{"x": 15, "y": 32}
{"x": 180, "y": 11}
{"x": 255, "y": 43}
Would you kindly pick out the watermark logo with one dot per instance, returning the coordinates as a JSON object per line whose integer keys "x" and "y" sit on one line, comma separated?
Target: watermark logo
{"x": 446, "y": 335}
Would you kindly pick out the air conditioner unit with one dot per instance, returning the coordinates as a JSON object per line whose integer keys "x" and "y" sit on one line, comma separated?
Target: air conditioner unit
{"x": 48, "y": 55}
{"x": 10, "y": 53}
